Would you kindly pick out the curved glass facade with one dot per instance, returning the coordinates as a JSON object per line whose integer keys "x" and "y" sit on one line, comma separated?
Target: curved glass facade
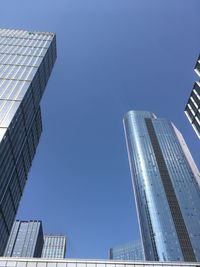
{"x": 166, "y": 189}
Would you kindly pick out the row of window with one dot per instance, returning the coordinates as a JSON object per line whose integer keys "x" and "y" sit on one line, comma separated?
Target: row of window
{"x": 88, "y": 264}
{"x": 13, "y": 89}
{"x": 25, "y": 34}
{"x": 25, "y": 42}
{"x": 17, "y": 72}
{"x": 19, "y": 50}
{"x": 7, "y": 111}
{"x": 13, "y": 59}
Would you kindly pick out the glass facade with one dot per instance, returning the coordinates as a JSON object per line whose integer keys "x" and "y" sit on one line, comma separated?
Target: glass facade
{"x": 25, "y": 240}
{"x": 166, "y": 186}
{"x": 192, "y": 109}
{"x": 54, "y": 246}
{"x": 26, "y": 61}
{"x": 130, "y": 251}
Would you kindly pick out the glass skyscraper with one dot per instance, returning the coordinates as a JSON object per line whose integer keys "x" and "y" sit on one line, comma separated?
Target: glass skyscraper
{"x": 26, "y": 61}
{"x": 54, "y": 246}
{"x": 166, "y": 187}
{"x": 129, "y": 251}
{"x": 192, "y": 109}
{"x": 25, "y": 240}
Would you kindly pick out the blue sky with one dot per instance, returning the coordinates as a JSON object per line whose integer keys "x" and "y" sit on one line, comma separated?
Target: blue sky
{"x": 113, "y": 56}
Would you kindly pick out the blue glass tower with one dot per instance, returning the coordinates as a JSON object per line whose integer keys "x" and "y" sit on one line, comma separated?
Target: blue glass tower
{"x": 26, "y": 62}
{"x": 166, "y": 186}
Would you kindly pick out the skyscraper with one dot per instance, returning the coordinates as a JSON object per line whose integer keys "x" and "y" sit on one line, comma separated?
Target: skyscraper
{"x": 26, "y": 61}
{"x": 54, "y": 246}
{"x": 129, "y": 251}
{"x": 167, "y": 193}
{"x": 25, "y": 240}
{"x": 192, "y": 109}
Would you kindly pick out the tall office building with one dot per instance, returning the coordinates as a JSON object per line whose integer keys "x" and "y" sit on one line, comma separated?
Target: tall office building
{"x": 54, "y": 246}
{"x": 166, "y": 189}
{"x": 192, "y": 109}
{"x": 26, "y": 61}
{"x": 131, "y": 251}
{"x": 25, "y": 240}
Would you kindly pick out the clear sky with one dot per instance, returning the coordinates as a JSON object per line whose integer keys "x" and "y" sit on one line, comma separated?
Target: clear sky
{"x": 113, "y": 56}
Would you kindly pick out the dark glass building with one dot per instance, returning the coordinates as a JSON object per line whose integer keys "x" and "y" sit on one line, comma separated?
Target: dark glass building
{"x": 130, "y": 251}
{"x": 54, "y": 246}
{"x": 25, "y": 240}
{"x": 192, "y": 109}
{"x": 167, "y": 193}
{"x": 26, "y": 61}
